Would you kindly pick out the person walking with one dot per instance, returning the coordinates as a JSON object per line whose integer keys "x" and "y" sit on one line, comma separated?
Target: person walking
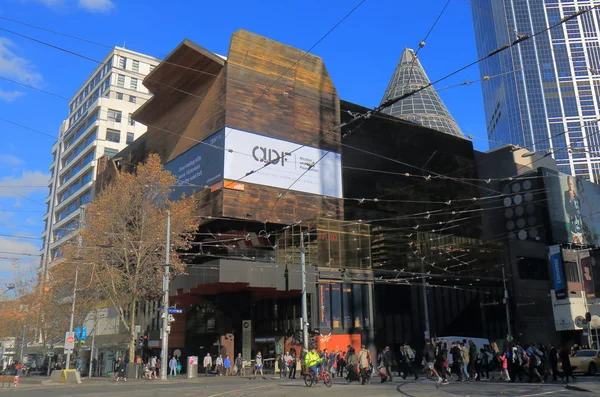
{"x": 227, "y": 365}
{"x": 429, "y": 358}
{"x": 258, "y": 365}
{"x": 173, "y": 366}
{"x": 388, "y": 359}
{"x": 504, "y": 358}
{"x": 287, "y": 361}
{"x": 239, "y": 365}
{"x": 553, "y": 358}
{"x": 564, "y": 357}
{"x": 207, "y": 364}
{"x": 121, "y": 370}
{"x": 407, "y": 358}
{"x": 364, "y": 364}
{"x": 152, "y": 367}
{"x": 472, "y": 360}
{"x": 219, "y": 365}
{"x": 293, "y": 364}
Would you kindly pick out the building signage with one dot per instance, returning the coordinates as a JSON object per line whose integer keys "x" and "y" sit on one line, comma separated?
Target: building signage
{"x": 324, "y": 305}
{"x": 585, "y": 261}
{"x": 291, "y": 165}
{"x": 560, "y": 284}
{"x": 246, "y": 339}
{"x": 199, "y": 166}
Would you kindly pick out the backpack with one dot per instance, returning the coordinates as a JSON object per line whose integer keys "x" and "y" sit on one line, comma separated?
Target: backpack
{"x": 410, "y": 353}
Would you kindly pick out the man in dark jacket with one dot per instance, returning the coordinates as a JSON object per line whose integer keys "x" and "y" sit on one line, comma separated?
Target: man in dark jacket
{"x": 388, "y": 360}
{"x": 472, "y": 360}
{"x": 456, "y": 360}
{"x": 429, "y": 357}
{"x": 407, "y": 357}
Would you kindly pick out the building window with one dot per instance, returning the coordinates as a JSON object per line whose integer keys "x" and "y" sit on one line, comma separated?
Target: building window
{"x": 123, "y": 62}
{"x": 130, "y": 137}
{"x": 121, "y": 81}
{"x": 133, "y": 83}
{"x": 114, "y": 116}
{"x": 131, "y": 99}
{"x": 120, "y": 95}
{"x": 135, "y": 66}
{"x": 110, "y": 152}
{"x": 131, "y": 120}
{"x": 572, "y": 272}
{"x": 113, "y": 135}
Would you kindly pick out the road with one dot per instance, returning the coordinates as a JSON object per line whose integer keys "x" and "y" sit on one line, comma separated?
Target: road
{"x": 243, "y": 387}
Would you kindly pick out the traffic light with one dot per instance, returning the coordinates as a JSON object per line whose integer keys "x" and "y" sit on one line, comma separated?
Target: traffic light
{"x": 142, "y": 341}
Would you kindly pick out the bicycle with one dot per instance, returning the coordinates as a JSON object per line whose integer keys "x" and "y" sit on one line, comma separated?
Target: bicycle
{"x": 310, "y": 379}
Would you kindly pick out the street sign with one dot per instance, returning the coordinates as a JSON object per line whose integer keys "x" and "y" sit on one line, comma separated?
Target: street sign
{"x": 175, "y": 311}
{"x": 68, "y": 351}
{"x": 138, "y": 329}
{"x": 595, "y": 322}
{"x": 69, "y": 340}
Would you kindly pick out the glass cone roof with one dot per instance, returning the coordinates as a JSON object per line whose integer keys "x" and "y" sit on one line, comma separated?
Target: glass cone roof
{"x": 425, "y": 107}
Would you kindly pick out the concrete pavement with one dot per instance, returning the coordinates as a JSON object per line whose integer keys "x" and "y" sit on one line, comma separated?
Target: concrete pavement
{"x": 274, "y": 387}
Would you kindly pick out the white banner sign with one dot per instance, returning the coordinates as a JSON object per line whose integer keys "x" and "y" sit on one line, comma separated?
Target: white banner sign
{"x": 290, "y": 164}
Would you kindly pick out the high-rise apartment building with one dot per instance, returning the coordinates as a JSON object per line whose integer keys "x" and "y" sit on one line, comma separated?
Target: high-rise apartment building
{"x": 99, "y": 123}
{"x": 544, "y": 93}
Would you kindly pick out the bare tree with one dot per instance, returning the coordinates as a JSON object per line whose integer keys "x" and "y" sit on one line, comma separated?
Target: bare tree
{"x": 123, "y": 239}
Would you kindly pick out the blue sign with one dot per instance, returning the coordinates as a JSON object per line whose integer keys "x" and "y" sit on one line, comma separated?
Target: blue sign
{"x": 200, "y": 166}
{"x": 77, "y": 333}
{"x": 175, "y": 311}
{"x": 558, "y": 274}
{"x": 84, "y": 333}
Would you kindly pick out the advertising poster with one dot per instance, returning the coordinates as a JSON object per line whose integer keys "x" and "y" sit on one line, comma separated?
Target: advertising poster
{"x": 338, "y": 342}
{"x": 336, "y": 305}
{"x": 558, "y": 274}
{"x": 291, "y": 165}
{"x": 324, "y": 305}
{"x": 585, "y": 261}
{"x": 197, "y": 167}
{"x": 574, "y": 208}
{"x": 347, "y": 305}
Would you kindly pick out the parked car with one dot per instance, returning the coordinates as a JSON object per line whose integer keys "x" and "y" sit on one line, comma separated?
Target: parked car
{"x": 586, "y": 361}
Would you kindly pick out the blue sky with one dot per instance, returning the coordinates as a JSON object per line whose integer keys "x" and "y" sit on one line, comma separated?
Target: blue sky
{"x": 360, "y": 56}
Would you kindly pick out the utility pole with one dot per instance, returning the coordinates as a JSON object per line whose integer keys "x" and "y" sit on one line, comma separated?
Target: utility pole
{"x": 80, "y": 243}
{"x": 506, "y": 304}
{"x": 425, "y": 302}
{"x": 304, "y": 302}
{"x": 164, "y": 354}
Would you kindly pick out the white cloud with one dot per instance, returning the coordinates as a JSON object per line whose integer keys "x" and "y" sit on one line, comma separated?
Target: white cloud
{"x": 9, "y": 96}
{"x": 29, "y": 182}
{"x": 102, "y": 6}
{"x": 9, "y": 159}
{"x": 15, "y": 67}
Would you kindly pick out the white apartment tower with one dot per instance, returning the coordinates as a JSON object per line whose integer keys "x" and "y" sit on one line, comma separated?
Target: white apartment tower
{"x": 99, "y": 123}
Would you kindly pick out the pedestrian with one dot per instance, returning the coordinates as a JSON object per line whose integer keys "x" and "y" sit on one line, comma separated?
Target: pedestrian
{"x": 138, "y": 367}
{"x": 472, "y": 359}
{"x": 352, "y": 365}
{"x": 207, "y": 364}
{"x": 173, "y": 366}
{"x": 553, "y": 358}
{"x": 407, "y": 358}
{"x": 481, "y": 363}
{"x": 153, "y": 367}
{"x": 258, "y": 365}
{"x": 464, "y": 353}
{"x": 293, "y": 365}
{"x": 178, "y": 366}
{"x": 287, "y": 362}
{"x": 429, "y": 358}
{"x": 388, "y": 359}
{"x": 535, "y": 362}
{"x": 219, "y": 365}
{"x": 364, "y": 365}
{"x": 79, "y": 365}
{"x": 121, "y": 370}
{"x": 565, "y": 360}
{"x": 504, "y": 357}
{"x": 227, "y": 365}
{"x": 239, "y": 365}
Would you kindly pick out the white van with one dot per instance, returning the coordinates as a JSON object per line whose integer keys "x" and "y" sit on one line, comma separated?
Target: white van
{"x": 481, "y": 343}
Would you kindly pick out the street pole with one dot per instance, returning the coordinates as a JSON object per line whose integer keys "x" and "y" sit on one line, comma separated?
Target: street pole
{"x": 92, "y": 356}
{"x": 80, "y": 243}
{"x": 22, "y": 343}
{"x": 425, "y": 302}
{"x": 304, "y": 302}
{"x": 506, "y": 305}
{"x": 164, "y": 355}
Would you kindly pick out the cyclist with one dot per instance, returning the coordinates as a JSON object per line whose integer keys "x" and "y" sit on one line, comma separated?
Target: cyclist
{"x": 313, "y": 361}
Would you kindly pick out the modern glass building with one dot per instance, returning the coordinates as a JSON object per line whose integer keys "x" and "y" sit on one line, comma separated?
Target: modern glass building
{"x": 425, "y": 107}
{"x": 543, "y": 93}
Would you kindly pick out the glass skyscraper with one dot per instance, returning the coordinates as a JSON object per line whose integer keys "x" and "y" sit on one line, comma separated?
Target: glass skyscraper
{"x": 546, "y": 85}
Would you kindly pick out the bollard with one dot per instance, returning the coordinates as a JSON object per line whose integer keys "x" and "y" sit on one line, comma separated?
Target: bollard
{"x": 16, "y": 381}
